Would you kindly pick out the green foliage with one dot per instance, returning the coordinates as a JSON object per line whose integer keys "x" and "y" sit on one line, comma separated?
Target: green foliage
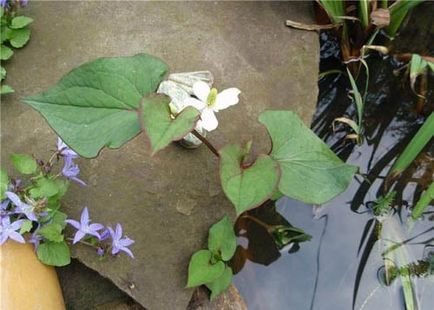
{"x": 219, "y": 285}
{"x": 159, "y": 125}
{"x": 20, "y": 22}
{"x": 6, "y": 89}
{"x": 52, "y": 232}
{"x": 247, "y": 187}
{"x": 417, "y": 143}
{"x": 26, "y": 226}
{"x": 14, "y": 33}
{"x": 383, "y": 204}
{"x": 334, "y": 8}
{"x": 19, "y": 37}
{"x": 423, "y": 202}
{"x": 310, "y": 171}
{"x": 364, "y": 12}
{"x": 24, "y": 163}
{"x": 201, "y": 270}
{"x": 418, "y": 66}
{"x": 5, "y": 53}
{"x": 4, "y": 182}
{"x": 44, "y": 187}
{"x": 222, "y": 240}
{"x": 54, "y": 253}
{"x": 398, "y": 11}
{"x": 286, "y": 234}
{"x": 108, "y": 101}
{"x": 208, "y": 266}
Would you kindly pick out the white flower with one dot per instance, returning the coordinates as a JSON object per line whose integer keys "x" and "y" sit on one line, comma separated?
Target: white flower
{"x": 211, "y": 102}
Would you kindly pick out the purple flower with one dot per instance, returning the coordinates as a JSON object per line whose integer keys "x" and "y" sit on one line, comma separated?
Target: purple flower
{"x": 8, "y": 230}
{"x": 35, "y": 239}
{"x": 4, "y": 206}
{"x": 24, "y": 3}
{"x": 100, "y": 251}
{"x": 3, "y": 3}
{"x": 119, "y": 244}
{"x": 104, "y": 235}
{"x": 83, "y": 227}
{"x": 64, "y": 150}
{"x": 21, "y": 207}
{"x": 71, "y": 170}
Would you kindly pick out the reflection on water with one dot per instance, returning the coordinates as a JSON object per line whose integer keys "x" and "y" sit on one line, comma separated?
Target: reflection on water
{"x": 344, "y": 265}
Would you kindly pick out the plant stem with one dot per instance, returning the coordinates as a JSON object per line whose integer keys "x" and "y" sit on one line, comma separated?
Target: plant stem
{"x": 206, "y": 142}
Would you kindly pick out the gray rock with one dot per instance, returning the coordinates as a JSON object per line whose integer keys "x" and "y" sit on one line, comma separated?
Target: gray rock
{"x": 244, "y": 44}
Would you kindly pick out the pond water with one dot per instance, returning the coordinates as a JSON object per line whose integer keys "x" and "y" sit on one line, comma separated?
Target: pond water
{"x": 342, "y": 266}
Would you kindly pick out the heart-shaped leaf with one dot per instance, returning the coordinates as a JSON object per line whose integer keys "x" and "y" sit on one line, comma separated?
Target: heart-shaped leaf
{"x": 159, "y": 125}
{"x": 311, "y": 172}
{"x": 99, "y": 103}
{"x": 218, "y": 286}
{"x": 221, "y": 239}
{"x": 247, "y": 187}
{"x": 201, "y": 271}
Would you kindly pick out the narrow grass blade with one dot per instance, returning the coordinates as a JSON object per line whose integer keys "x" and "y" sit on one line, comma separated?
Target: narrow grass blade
{"x": 357, "y": 98}
{"x": 421, "y": 138}
{"x": 364, "y": 12}
{"x": 423, "y": 202}
{"x": 334, "y": 8}
{"x": 398, "y": 11}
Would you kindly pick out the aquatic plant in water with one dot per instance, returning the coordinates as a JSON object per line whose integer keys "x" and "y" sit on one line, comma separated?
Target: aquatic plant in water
{"x": 108, "y": 101}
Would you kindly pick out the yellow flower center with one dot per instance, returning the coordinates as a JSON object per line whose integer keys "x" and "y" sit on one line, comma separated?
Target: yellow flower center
{"x": 210, "y": 101}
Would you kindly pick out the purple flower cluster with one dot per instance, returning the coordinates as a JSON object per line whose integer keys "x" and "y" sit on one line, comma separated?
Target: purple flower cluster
{"x": 84, "y": 228}
{"x": 70, "y": 170}
{"x": 9, "y": 230}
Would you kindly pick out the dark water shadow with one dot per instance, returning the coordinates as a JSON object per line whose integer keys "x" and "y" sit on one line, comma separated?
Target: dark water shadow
{"x": 339, "y": 268}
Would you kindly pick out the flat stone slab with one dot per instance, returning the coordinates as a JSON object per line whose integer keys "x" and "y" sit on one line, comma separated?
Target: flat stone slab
{"x": 244, "y": 44}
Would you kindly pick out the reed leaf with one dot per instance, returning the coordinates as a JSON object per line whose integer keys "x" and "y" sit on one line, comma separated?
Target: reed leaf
{"x": 421, "y": 138}
{"x": 364, "y": 12}
{"x": 335, "y": 9}
{"x": 423, "y": 202}
{"x": 398, "y": 11}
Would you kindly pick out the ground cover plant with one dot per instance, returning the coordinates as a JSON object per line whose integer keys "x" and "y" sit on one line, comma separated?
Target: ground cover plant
{"x": 14, "y": 33}
{"x": 31, "y": 209}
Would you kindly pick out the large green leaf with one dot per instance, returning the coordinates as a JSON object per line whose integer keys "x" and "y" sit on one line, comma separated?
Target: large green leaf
{"x": 54, "y": 253}
{"x": 98, "y": 104}
{"x": 311, "y": 172}
{"x": 159, "y": 125}
{"x": 218, "y": 286}
{"x": 201, "y": 270}
{"x": 221, "y": 239}
{"x": 247, "y": 187}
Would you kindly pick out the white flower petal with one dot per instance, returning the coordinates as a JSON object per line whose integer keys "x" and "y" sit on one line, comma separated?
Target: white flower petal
{"x": 201, "y": 90}
{"x": 226, "y": 98}
{"x": 209, "y": 121}
{"x": 192, "y": 102}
